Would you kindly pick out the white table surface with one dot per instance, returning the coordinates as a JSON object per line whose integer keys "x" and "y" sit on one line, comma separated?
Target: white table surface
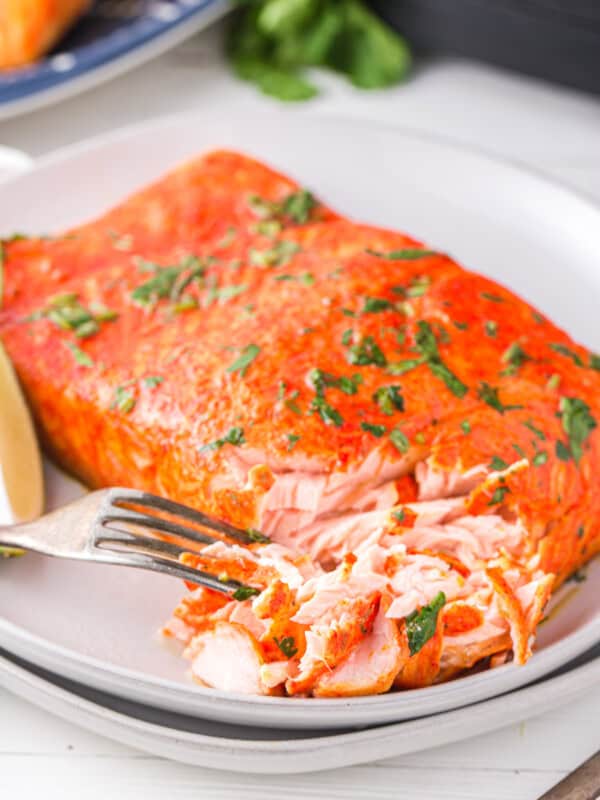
{"x": 554, "y": 130}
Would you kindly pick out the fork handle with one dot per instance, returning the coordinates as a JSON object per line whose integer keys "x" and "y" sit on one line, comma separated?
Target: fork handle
{"x": 582, "y": 784}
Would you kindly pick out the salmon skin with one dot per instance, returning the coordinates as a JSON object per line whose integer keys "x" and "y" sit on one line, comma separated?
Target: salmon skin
{"x": 417, "y": 445}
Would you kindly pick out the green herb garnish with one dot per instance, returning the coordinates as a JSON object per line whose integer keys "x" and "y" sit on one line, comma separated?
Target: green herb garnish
{"x": 498, "y": 464}
{"x": 234, "y": 436}
{"x": 153, "y": 380}
{"x": 407, "y": 254}
{"x": 244, "y": 593}
{"x": 491, "y": 328}
{"x": 257, "y": 536}
{"x": 493, "y": 298}
{"x": 515, "y": 357}
{"x": 426, "y": 344}
{"x": 287, "y": 645}
{"x": 421, "y": 625}
{"x": 377, "y": 430}
{"x": 577, "y": 423}
{"x": 367, "y": 351}
{"x": 465, "y": 426}
{"x": 536, "y": 431}
{"x": 80, "y": 357}
{"x": 123, "y": 400}
{"x": 400, "y": 440}
{"x": 243, "y": 361}
{"x": 565, "y": 351}
{"x": 389, "y": 399}
{"x": 293, "y": 439}
{"x": 277, "y": 256}
{"x": 489, "y": 395}
{"x": 540, "y": 458}
{"x": 374, "y": 305}
{"x": 498, "y": 496}
{"x": 272, "y": 42}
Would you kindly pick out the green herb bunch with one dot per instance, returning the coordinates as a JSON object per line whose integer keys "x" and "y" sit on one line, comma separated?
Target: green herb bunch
{"x": 272, "y": 41}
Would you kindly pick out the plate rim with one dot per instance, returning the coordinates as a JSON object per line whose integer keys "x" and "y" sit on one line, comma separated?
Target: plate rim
{"x": 139, "y": 53}
{"x": 283, "y": 756}
{"x": 130, "y": 132}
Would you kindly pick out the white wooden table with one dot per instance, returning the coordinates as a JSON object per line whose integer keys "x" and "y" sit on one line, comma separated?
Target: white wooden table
{"x": 554, "y": 130}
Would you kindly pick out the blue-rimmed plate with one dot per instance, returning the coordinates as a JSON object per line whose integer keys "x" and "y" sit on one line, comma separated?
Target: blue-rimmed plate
{"x": 114, "y": 36}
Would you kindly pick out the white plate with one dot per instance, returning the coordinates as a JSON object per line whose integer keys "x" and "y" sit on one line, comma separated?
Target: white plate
{"x": 247, "y": 750}
{"x": 96, "y": 624}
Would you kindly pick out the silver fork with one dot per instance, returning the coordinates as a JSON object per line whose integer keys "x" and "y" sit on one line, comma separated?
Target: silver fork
{"x": 103, "y": 527}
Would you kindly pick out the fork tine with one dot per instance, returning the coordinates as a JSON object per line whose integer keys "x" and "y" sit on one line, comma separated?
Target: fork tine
{"x": 130, "y": 541}
{"x": 151, "y": 501}
{"x": 127, "y": 555}
{"x": 164, "y": 525}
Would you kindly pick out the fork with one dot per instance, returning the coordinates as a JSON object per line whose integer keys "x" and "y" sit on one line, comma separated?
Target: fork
{"x": 102, "y": 527}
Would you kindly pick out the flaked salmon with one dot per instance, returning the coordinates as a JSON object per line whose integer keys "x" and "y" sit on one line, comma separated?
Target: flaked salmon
{"x": 416, "y": 444}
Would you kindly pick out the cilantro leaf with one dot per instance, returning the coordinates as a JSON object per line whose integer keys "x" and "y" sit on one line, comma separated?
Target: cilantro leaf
{"x": 389, "y": 399}
{"x": 421, "y": 624}
{"x": 577, "y": 423}
{"x": 243, "y": 361}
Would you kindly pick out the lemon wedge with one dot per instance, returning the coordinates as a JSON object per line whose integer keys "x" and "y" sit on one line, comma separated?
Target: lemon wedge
{"x": 21, "y": 476}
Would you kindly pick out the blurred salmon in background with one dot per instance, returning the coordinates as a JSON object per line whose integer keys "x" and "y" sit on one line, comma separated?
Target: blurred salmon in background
{"x": 29, "y": 28}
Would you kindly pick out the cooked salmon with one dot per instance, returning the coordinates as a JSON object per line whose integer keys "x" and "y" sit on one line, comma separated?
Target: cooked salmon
{"x": 417, "y": 444}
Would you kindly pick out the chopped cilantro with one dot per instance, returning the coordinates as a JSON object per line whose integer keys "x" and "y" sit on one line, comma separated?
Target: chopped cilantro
{"x": 406, "y": 254}
{"x": 566, "y": 351}
{"x": 466, "y": 426}
{"x": 519, "y": 450}
{"x": 153, "y": 380}
{"x": 399, "y": 515}
{"x": 257, "y": 536}
{"x": 553, "y": 382}
{"x": 376, "y": 430}
{"x": 80, "y": 357}
{"x": 293, "y": 440}
{"x": 540, "y": 458}
{"x": 489, "y": 395}
{"x": 329, "y": 414}
{"x": 491, "y": 328}
{"x": 389, "y": 399}
{"x": 244, "y": 593}
{"x": 276, "y": 256}
{"x": 374, "y": 305}
{"x": 536, "y": 431}
{"x": 400, "y": 367}
{"x": 123, "y": 400}
{"x": 594, "y": 361}
{"x": 498, "y": 496}
{"x": 322, "y": 380}
{"x": 515, "y": 357}
{"x": 243, "y": 361}
{"x": 234, "y": 436}
{"x": 493, "y": 298}
{"x": 562, "y": 451}
{"x": 577, "y": 423}
{"x": 347, "y": 337}
{"x": 399, "y": 439}
{"x": 422, "y": 624}
{"x": 426, "y": 344}
{"x": 498, "y": 464}
{"x": 462, "y": 326}
{"x": 287, "y": 645}
{"x": 418, "y": 286}
{"x": 297, "y": 206}
{"x": 367, "y": 351}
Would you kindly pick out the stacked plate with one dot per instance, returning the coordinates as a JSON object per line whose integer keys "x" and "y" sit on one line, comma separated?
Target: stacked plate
{"x": 93, "y": 625}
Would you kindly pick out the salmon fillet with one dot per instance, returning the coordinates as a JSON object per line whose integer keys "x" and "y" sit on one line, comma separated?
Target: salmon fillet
{"x": 29, "y": 28}
{"x": 416, "y": 444}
